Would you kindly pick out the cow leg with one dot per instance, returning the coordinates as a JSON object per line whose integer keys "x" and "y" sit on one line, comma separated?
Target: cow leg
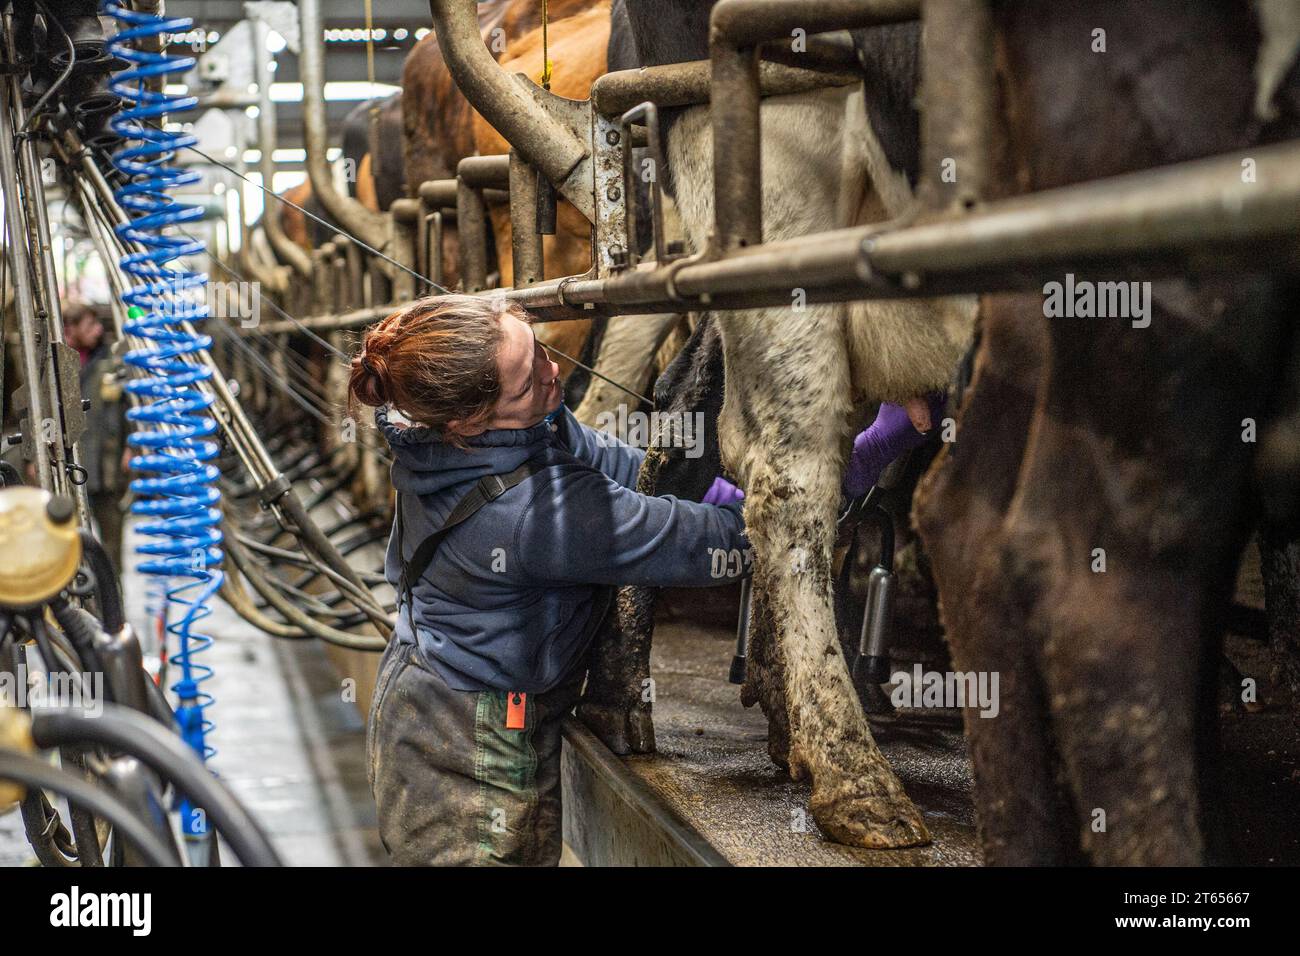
{"x": 618, "y": 698}
{"x": 619, "y": 695}
{"x": 1149, "y": 474}
{"x": 765, "y": 677}
{"x": 783, "y": 431}
{"x": 961, "y": 507}
{"x": 1279, "y": 555}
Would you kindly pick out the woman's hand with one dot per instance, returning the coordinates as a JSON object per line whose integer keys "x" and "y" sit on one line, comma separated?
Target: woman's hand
{"x": 897, "y": 429}
{"x": 722, "y": 492}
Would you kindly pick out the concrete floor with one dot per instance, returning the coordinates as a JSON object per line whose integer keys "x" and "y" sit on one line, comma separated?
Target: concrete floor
{"x": 713, "y": 770}
{"x": 712, "y": 765}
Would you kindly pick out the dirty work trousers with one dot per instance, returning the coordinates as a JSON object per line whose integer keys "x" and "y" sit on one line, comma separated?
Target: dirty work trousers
{"x": 453, "y": 786}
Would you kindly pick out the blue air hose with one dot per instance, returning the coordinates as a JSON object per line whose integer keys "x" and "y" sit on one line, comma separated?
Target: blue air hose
{"x": 174, "y": 429}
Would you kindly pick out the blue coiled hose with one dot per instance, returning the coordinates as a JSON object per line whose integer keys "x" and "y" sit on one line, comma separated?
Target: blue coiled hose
{"x": 174, "y": 430}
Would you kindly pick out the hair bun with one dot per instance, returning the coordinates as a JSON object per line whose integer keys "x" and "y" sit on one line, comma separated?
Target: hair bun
{"x": 367, "y": 381}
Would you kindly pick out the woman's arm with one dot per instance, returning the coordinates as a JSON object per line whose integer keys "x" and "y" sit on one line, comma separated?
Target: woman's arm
{"x": 613, "y": 458}
{"x": 583, "y": 528}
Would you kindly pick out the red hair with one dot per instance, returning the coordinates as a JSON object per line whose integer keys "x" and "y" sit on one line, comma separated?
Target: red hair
{"x": 435, "y": 360}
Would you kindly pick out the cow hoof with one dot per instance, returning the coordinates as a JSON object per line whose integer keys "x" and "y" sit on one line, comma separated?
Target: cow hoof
{"x": 778, "y": 743}
{"x": 623, "y": 730}
{"x": 876, "y": 822}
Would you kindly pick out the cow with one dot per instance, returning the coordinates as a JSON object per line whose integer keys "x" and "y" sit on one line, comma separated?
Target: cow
{"x": 577, "y": 53}
{"x": 297, "y": 225}
{"x": 372, "y": 146}
{"x": 797, "y": 386}
{"x": 1086, "y": 525}
{"x": 436, "y": 118}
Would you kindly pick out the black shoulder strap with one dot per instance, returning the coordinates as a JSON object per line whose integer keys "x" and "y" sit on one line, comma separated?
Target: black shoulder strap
{"x": 488, "y": 488}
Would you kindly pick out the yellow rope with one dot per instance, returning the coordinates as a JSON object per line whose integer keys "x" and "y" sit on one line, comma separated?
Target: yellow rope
{"x": 370, "y": 43}
{"x": 546, "y": 56}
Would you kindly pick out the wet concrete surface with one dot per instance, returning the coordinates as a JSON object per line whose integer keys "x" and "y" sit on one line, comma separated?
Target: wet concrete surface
{"x": 712, "y": 765}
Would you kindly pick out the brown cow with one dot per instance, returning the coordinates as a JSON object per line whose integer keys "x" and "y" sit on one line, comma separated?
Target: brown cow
{"x": 292, "y": 220}
{"x": 436, "y": 118}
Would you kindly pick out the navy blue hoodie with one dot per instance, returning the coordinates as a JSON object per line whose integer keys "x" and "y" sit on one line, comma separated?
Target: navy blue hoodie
{"x": 513, "y": 595}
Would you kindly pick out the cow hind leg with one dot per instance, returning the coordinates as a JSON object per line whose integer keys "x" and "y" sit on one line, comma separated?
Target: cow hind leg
{"x": 856, "y": 798}
{"x": 618, "y": 698}
{"x": 1132, "y": 506}
{"x": 783, "y": 428}
{"x": 765, "y": 678}
{"x": 619, "y": 695}
{"x": 987, "y": 598}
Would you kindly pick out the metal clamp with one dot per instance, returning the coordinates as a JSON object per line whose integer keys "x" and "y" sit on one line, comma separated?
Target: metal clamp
{"x": 647, "y": 115}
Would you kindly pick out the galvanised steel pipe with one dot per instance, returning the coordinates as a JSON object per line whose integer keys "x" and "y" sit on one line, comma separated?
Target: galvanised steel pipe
{"x": 406, "y": 223}
{"x": 1193, "y": 217}
{"x": 267, "y": 275}
{"x": 471, "y": 229}
{"x": 438, "y": 193}
{"x": 1172, "y": 210}
{"x": 321, "y": 279}
{"x": 35, "y": 334}
{"x": 370, "y": 227}
{"x": 525, "y": 241}
{"x": 541, "y": 139}
{"x": 957, "y": 112}
{"x": 688, "y": 84}
{"x": 485, "y": 171}
{"x": 736, "y": 29}
{"x": 286, "y": 249}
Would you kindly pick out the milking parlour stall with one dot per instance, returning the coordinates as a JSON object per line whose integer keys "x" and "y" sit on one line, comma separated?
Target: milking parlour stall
{"x": 650, "y": 433}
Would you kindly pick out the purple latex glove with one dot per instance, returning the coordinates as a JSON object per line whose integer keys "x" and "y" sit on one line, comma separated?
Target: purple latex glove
{"x": 722, "y": 492}
{"x": 891, "y": 434}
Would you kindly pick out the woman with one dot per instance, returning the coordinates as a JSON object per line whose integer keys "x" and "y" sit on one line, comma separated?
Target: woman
{"x": 514, "y": 525}
{"x": 488, "y": 652}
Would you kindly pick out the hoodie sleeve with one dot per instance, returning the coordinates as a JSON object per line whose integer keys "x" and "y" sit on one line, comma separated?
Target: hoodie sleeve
{"x": 605, "y": 452}
{"x": 583, "y": 528}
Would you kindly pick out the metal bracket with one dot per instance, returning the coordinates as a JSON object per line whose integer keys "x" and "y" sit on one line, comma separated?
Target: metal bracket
{"x": 576, "y": 116}
{"x": 609, "y": 227}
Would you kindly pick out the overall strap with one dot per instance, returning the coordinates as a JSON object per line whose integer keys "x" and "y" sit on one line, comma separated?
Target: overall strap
{"x": 488, "y": 488}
